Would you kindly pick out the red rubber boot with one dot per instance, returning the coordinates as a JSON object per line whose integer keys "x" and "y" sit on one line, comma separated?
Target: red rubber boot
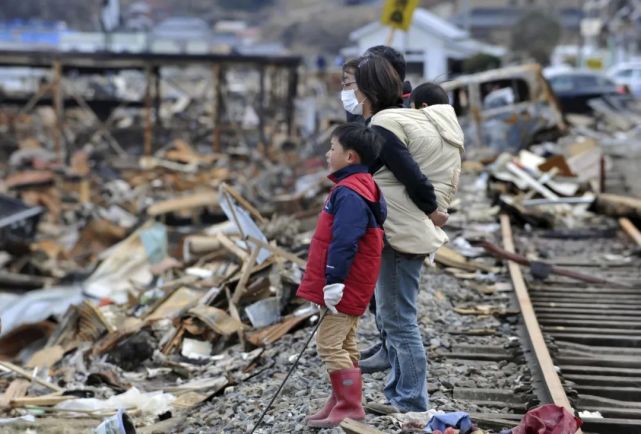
{"x": 323, "y": 412}
{"x": 348, "y": 389}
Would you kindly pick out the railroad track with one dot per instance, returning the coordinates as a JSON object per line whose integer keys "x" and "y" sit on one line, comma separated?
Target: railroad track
{"x": 592, "y": 332}
{"x": 581, "y": 342}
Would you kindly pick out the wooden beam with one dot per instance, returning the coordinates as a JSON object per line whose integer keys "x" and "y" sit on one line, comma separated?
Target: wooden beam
{"x": 217, "y": 78}
{"x": 148, "y": 138}
{"x": 58, "y": 109}
{"x": 244, "y": 203}
{"x": 552, "y": 381}
{"x": 351, "y": 426}
{"x": 18, "y": 370}
{"x": 241, "y": 286}
{"x": 232, "y": 247}
{"x": 233, "y": 311}
{"x": 17, "y": 389}
{"x": 278, "y": 251}
{"x": 630, "y": 229}
{"x": 41, "y": 401}
{"x": 261, "y": 106}
{"x": 200, "y": 199}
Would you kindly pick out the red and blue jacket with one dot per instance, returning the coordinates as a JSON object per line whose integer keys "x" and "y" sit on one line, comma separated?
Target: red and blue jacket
{"x": 348, "y": 241}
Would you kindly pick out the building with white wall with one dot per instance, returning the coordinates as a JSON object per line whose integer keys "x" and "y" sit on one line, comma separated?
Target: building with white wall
{"x": 431, "y": 45}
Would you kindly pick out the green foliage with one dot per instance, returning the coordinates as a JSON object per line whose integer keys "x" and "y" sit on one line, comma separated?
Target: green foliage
{"x": 536, "y": 34}
{"x": 480, "y": 62}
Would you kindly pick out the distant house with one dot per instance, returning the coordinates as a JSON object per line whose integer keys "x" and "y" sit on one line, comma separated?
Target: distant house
{"x": 433, "y": 47}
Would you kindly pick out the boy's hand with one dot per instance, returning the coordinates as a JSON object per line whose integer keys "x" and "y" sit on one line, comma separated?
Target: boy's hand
{"x": 332, "y": 295}
{"x": 439, "y": 218}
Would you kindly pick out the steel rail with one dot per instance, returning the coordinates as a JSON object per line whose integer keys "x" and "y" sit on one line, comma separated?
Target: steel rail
{"x": 548, "y": 370}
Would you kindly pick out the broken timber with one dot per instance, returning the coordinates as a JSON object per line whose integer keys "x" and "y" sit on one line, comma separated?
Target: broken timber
{"x": 522, "y": 260}
{"x": 18, "y": 370}
{"x": 351, "y": 426}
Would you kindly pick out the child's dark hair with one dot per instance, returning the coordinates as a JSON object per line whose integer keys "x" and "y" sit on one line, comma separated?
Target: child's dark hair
{"x": 429, "y": 93}
{"x": 366, "y": 142}
{"x": 394, "y": 57}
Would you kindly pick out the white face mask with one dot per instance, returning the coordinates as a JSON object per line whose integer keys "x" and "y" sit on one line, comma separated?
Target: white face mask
{"x": 350, "y": 102}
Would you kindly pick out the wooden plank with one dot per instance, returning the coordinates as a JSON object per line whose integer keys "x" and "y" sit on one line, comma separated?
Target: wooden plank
{"x": 630, "y": 229}
{"x": 244, "y": 203}
{"x": 278, "y": 251}
{"x": 43, "y": 401}
{"x": 17, "y": 389}
{"x": 233, "y": 311}
{"x": 618, "y": 206}
{"x": 200, "y": 199}
{"x": 352, "y": 426}
{"x": 272, "y": 333}
{"x": 232, "y": 247}
{"x": 451, "y": 258}
{"x": 244, "y": 276}
{"x": 18, "y": 370}
{"x": 552, "y": 381}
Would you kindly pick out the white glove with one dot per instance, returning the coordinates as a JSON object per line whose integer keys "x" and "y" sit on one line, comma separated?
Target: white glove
{"x": 332, "y": 295}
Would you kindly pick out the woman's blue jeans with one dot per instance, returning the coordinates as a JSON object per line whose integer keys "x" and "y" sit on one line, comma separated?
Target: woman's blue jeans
{"x": 396, "y": 315}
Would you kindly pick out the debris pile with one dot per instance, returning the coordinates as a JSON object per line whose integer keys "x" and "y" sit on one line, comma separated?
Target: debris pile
{"x": 129, "y": 287}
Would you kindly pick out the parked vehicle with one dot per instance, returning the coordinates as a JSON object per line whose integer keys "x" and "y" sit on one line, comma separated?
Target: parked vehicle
{"x": 629, "y": 75}
{"x": 573, "y": 89}
{"x": 505, "y": 109}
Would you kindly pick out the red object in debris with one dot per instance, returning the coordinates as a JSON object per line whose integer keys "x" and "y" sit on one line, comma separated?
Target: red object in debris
{"x": 623, "y": 89}
{"x": 105, "y": 301}
{"x": 548, "y": 419}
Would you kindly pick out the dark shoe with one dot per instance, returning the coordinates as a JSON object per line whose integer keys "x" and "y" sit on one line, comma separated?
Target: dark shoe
{"x": 368, "y": 352}
{"x": 348, "y": 388}
{"x": 375, "y": 363}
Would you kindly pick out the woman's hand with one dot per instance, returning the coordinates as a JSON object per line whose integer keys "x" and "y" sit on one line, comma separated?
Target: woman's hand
{"x": 439, "y": 218}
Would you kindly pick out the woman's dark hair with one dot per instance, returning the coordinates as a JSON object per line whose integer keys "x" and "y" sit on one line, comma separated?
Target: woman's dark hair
{"x": 429, "y": 93}
{"x": 393, "y": 56}
{"x": 366, "y": 142}
{"x": 350, "y": 65}
{"x": 379, "y": 82}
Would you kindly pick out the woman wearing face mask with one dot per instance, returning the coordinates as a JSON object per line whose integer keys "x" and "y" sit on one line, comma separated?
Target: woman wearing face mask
{"x": 412, "y": 230}
{"x": 350, "y": 104}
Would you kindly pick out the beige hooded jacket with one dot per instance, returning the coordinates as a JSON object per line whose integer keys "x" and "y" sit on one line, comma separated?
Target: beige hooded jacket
{"x": 435, "y": 140}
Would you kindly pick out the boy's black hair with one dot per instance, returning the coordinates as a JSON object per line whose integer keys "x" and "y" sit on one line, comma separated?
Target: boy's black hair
{"x": 392, "y": 56}
{"x": 366, "y": 142}
{"x": 429, "y": 93}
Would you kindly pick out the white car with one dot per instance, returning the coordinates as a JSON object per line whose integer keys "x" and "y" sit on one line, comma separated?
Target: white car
{"x": 628, "y": 74}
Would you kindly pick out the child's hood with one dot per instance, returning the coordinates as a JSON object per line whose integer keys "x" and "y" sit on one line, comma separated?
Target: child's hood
{"x": 443, "y": 117}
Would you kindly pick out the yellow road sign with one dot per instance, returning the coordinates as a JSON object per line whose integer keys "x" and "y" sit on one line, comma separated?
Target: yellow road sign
{"x": 398, "y": 13}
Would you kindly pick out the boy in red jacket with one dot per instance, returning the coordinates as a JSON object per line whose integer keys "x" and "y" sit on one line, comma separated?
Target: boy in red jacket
{"x": 343, "y": 264}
